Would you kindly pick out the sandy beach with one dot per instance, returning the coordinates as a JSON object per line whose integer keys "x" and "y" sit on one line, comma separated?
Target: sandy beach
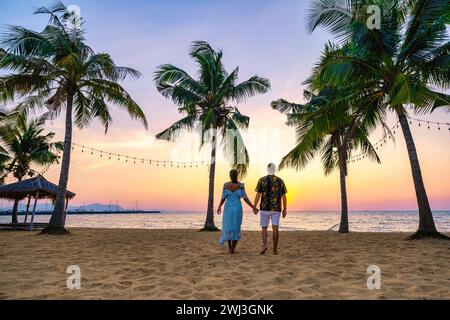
{"x": 182, "y": 264}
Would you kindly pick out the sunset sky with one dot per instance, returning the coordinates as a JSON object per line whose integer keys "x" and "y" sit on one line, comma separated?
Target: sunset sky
{"x": 267, "y": 38}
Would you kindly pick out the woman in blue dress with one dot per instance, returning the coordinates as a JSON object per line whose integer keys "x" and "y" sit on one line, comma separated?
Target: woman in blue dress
{"x": 233, "y": 191}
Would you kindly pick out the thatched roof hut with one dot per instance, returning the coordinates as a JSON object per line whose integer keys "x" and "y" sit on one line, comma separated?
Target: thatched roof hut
{"x": 37, "y": 187}
{"x": 22, "y": 189}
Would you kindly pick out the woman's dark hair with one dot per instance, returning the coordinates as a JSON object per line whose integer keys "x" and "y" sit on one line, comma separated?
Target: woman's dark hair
{"x": 234, "y": 174}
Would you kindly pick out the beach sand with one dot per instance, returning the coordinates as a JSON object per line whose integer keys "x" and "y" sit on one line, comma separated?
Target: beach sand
{"x": 182, "y": 264}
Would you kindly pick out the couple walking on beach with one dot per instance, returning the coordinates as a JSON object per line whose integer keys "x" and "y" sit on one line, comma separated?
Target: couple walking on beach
{"x": 271, "y": 191}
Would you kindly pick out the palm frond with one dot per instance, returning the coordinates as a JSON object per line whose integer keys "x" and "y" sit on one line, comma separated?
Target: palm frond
{"x": 249, "y": 88}
{"x": 174, "y": 131}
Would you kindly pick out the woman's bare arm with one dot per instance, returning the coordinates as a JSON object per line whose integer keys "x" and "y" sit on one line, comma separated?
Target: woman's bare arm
{"x": 219, "y": 209}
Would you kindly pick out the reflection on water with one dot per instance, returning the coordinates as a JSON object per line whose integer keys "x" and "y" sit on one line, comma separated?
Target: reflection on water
{"x": 385, "y": 221}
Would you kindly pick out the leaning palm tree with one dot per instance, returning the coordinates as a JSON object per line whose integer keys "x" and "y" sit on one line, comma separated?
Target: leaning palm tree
{"x": 208, "y": 104}
{"x": 57, "y": 70}
{"x": 26, "y": 144}
{"x": 399, "y": 62}
{"x": 328, "y": 126}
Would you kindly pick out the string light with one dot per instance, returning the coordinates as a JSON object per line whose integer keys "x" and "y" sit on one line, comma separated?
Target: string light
{"x": 174, "y": 164}
{"x": 378, "y": 145}
{"x": 383, "y": 140}
{"x": 429, "y": 123}
{"x": 158, "y": 163}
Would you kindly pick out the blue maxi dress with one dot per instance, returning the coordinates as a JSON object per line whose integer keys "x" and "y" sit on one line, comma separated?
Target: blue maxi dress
{"x": 232, "y": 214}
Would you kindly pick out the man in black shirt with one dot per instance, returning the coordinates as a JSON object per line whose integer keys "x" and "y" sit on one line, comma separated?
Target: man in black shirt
{"x": 271, "y": 190}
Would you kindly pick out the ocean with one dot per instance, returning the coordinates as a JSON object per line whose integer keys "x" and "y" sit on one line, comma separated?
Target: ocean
{"x": 361, "y": 221}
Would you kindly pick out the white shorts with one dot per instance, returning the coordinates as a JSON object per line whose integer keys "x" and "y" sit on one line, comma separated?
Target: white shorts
{"x": 266, "y": 216}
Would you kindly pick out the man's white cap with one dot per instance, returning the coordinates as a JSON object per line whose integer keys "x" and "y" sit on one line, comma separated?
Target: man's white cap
{"x": 271, "y": 169}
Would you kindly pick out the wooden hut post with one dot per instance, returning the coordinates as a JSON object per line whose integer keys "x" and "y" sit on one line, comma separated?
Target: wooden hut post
{"x": 28, "y": 209}
{"x": 34, "y": 210}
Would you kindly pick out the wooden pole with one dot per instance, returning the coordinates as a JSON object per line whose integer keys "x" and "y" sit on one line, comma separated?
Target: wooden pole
{"x": 28, "y": 209}
{"x": 34, "y": 210}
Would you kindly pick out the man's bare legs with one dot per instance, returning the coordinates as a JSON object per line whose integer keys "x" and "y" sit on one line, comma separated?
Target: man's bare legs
{"x": 276, "y": 236}
{"x": 265, "y": 233}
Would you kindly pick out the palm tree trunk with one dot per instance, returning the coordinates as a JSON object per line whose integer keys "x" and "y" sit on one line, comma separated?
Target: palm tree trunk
{"x": 209, "y": 224}
{"x": 16, "y": 208}
{"x": 426, "y": 222}
{"x": 57, "y": 220}
{"x": 343, "y": 227}
{"x": 15, "y": 220}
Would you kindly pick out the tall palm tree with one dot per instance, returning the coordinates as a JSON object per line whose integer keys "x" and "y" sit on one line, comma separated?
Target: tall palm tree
{"x": 3, "y": 152}
{"x": 56, "y": 69}
{"x": 399, "y": 64}
{"x": 208, "y": 104}
{"x": 26, "y": 144}
{"x": 327, "y": 126}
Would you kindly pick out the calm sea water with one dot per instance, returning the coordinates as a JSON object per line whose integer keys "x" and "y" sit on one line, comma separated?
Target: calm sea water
{"x": 368, "y": 221}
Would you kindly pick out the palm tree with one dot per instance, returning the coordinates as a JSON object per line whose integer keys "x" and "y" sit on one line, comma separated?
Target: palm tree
{"x": 3, "y": 152}
{"x": 26, "y": 144}
{"x": 327, "y": 125}
{"x": 56, "y": 69}
{"x": 207, "y": 103}
{"x": 399, "y": 64}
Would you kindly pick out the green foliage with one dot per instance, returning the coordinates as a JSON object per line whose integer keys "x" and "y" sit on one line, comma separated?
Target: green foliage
{"x": 25, "y": 144}
{"x": 48, "y": 67}
{"x": 209, "y": 102}
{"x": 399, "y": 64}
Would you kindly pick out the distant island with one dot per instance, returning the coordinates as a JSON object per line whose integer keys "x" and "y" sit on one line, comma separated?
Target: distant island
{"x": 96, "y": 208}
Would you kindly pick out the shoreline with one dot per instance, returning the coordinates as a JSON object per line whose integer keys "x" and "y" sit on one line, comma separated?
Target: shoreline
{"x": 187, "y": 264}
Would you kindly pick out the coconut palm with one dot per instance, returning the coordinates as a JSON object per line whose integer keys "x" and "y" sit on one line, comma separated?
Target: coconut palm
{"x": 400, "y": 63}
{"x": 209, "y": 106}
{"x": 3, "y": 152}
{"x": 328, "y": 126}
{"x": 57, "y": 70}
{"x": 25, "y": 144}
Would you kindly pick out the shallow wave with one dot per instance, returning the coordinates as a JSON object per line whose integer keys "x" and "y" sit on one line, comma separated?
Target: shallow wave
{"x": 363, "y": 221}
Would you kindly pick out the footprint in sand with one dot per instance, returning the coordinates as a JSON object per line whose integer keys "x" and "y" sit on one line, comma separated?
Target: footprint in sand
{"x": 202, "y": 296}
{"x": 241, "y": 294}
{"x": 144, "y": 288}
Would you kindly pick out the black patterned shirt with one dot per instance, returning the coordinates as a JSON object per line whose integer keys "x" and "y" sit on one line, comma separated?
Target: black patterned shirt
{"x": 272, "y": 189}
